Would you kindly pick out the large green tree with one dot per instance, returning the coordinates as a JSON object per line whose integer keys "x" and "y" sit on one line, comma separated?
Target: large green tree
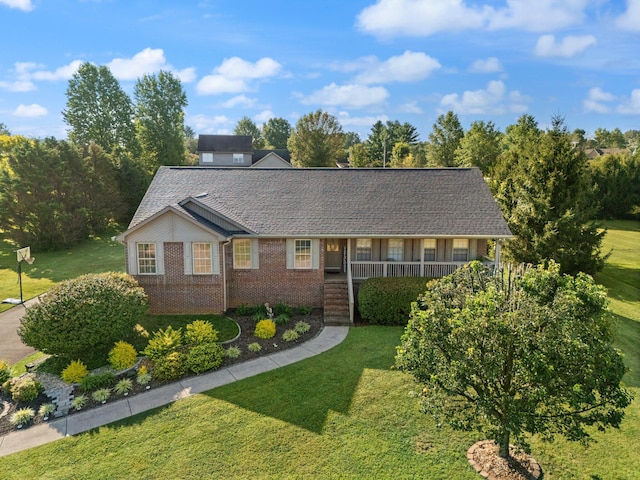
{"x": 515, "y": 353}
{"x": 384, "y": 137}
{"x": 543, "y": 187}
{"x": 275, "y": 132}
{"x": 160, "y": 103}
{"x": 316, "y": 141}
{"x": 246, "y": 126}
{"x": 479, "y": 147}
{"x": 444, "y": 140}
{"x": 99, "y": 111}
{"x": 616, "y": 183}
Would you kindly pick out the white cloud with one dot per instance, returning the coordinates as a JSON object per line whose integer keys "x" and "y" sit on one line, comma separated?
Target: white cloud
{"x": 18, "y": 86}
{"x": 63, "y": 73}
{"x": 205, "y": 124}
{"x": 354, "y": 96}
{"x": 630, "y": 20}
{"x": 33, "y": 110}
{"x": 569, "y": 46}
{"x": 487, "y": 65}
{"x": 410, "y": 107}
{"x": 234, "y": 75}
{"x": 595, "y": 99}
{"x": 24, "y": 5}
{"x": 631, "y": 106}
{"x": 347, "y": 120}
{"x": 264, "y": 116}
{"x": 420, "y": 18}
{"x": 147, "y": 62}
{"x": 408, "y": 67}
{"x": 239, "y": 101}
{"x": 495, "y": 99}
{"x": 388, "y": 18}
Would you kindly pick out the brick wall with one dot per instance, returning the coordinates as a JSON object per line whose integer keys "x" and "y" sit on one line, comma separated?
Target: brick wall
{"x": 273, "y": 282}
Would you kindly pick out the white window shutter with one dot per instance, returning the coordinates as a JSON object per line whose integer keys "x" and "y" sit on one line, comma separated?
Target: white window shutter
{"x": 159, "y": 258}
{"x": 290, "y": 253}
{"x": 315, "y": 253}
{"x": 255, "y": 257}
{"x": 187, "y": 248}
{"x": 215, "y": 260}
{"x": 132, "y": 258}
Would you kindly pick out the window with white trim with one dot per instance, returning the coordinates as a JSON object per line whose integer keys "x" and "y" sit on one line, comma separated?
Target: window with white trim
{"x": 460, "y": 249}
{"x": 202, "y": 261}
{"x": 430, "y": 249}
{"x": 395, "y": 249}
{"x": 302, "y": 254}
{"x": 363, "y": 249}
{"x": 238, "y": 158}
{"x": 241, "y": 253}
{"x": 146, "y": 258}
{"x": 207, "y": 157}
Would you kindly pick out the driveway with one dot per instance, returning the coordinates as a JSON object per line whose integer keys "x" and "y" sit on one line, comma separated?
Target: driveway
{"x": 11, "y": 347}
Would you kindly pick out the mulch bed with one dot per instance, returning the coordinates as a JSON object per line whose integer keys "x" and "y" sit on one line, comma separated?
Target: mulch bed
{"x": 484, "y": 458}
{"x": 246, "y": 337}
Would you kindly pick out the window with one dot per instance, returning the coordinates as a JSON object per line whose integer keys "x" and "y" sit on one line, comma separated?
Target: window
{"x": 146, "y": 258}
{"x": 302, "y": 254}
{"x": 460, "y": 250}
{"x": 395, "y": 250}
{"x": 430, "y": 249}
{"x": 202, "y": 264}
{"x": 207, "y": 157}
{"x": 363, "y": 249}
{"x": 238, "y": 158}
{"x": 241, "y": 253}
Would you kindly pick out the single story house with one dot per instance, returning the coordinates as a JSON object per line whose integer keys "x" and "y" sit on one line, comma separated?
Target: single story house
{"x": 205, "y": 239}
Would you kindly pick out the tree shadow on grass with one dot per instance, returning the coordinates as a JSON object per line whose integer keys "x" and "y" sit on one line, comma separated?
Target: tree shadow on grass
{"x": 628, "y": 341}
{"x": 622, "y": 283}
{"x": 304, "y": 393}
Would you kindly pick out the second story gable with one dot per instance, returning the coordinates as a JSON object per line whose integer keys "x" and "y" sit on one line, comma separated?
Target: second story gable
{"x": 237, "y": 151}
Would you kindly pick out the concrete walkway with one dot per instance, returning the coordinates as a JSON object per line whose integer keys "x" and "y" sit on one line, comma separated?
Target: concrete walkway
{"x": 11, "y": 346}
{"x": 43, "y": 433}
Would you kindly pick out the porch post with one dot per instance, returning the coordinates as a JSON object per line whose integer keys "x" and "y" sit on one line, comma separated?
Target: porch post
{"x": 497, "y": 252}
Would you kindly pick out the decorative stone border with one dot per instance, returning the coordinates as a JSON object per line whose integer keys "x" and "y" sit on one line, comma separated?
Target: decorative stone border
{"x": 536, "y": 474}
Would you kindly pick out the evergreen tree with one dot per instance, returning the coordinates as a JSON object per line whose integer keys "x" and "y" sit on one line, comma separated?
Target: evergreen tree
{"x": 444, "y": 140}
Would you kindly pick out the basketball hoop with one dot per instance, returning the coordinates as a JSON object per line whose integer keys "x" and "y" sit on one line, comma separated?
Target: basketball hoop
{"x": 23, "y": 255}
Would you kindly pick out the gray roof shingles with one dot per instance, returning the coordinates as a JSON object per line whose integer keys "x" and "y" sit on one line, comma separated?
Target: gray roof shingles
{"x": 335, "y": 202}
{"x": 225, "y": 143}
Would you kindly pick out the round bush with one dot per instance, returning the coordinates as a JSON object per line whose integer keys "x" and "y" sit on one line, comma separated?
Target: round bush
{"x": 24, "y": 389}
{"x": 122, "y": 356}
{"x": 170, "y": 367}
{"x": 82, "y": 318}
{"x": 265, "y": 329}
{"x": 75, "y": 372}
{"x": 204, "y": 357}
{"x": 199, "y": 332}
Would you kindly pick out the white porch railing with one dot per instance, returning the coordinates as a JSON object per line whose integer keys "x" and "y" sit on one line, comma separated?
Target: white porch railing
{"x": 361, "y": 270}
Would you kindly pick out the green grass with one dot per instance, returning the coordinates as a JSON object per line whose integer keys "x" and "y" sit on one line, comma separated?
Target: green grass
{"x": 96, "y": 255}
{"x": 345, "y": 414}
{"x": 227, "y": 328}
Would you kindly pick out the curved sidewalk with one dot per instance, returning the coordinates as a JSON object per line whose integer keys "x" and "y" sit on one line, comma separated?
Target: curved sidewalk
{"x": 40, "y": 434}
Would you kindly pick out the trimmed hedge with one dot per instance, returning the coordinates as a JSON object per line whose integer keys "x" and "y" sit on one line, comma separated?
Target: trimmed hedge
{"x": 387, "y": 301}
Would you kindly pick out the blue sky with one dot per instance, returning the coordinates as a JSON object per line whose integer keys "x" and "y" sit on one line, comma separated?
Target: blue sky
{"x": 361, "y": 60}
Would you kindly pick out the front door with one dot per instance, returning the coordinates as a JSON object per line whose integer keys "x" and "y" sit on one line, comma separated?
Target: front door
{"x": 333, "y": 255}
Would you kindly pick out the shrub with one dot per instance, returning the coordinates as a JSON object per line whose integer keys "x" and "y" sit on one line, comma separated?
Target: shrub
{"x": 163, "y": 343}
{"x": 232, "y": 352}
{"x": 281, "y": 319}
{"x": 258, "y": 316}
{"x": 254, "y": 347}
{"x": 22, "y": 417}
{"x": 94, "y": 382}
{"x": 302, "y": 327}
{"x": 290, "y": 335}
{"x": 143, "y": 376}
{"x": 204, "y": 357}
{"x": 304, "y": 310}
{"x": 46, "y": 410}
{"x": 79, "y": 402}
{"x": 282, "y": 308}
{"x": 75, "y": 372}
{"x": 170, "y": 367}
{"x": 265, "y": 329}
{"x": 5, "y": 371}
{"x": 101, "y": 395}
{"x": 82, "y": 318}
{"x": 122, "y": 356}
{"x": 199, "y": 332}
{"x": 24, "y": 389}
{"x": 387, "y": 301}
{"x": 123, "y": 386}
{"x": 244, "y": 310}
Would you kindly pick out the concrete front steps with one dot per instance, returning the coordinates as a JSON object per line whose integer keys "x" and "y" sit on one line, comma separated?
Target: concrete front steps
{"x": 336, "y": 302}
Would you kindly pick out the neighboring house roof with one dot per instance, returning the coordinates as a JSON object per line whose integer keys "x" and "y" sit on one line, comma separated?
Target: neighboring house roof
{"x": 321, "y": 202}
{"x": 599, "y": 152}
{"x": 283, "y": 153}
{"x": 225, "y": 143}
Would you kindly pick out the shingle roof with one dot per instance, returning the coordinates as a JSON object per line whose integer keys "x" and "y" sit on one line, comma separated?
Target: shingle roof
{"x": 281, "y": 152}
{"x": 335, "y": 202}
{"x": 225, "y": 143}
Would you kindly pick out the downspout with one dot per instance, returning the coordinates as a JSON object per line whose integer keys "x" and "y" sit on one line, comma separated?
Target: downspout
{"x": 224, "y": 275}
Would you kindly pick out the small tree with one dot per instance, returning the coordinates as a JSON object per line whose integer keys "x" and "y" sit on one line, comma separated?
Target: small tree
{"x": 509, "y": 354}
{"x": 82, "y": 318}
